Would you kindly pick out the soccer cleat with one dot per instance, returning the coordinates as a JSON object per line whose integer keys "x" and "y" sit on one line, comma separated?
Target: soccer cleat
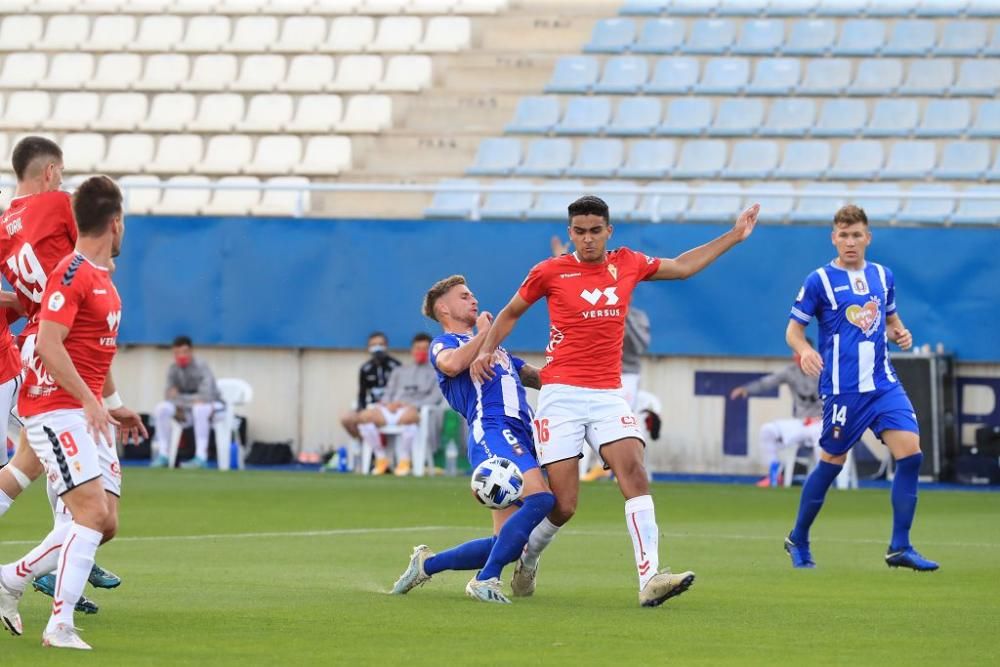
{"x": 911, "y": 558}
{"x": 663, "y": 586}
{"x": 64, "y": 636}
{"x": 801, "y": 556}
{"x": 402, "y": 468}
{"x": 381, "y": 466}
{"x": 160, "y": 461}
{"x": 763, "y": 483}
{"x": 101, "y": 578}
{"x": 10, "y": 618}
{"x": 522, "y": 583}
{"x": 195, "y": 463}
{"x": 414, "y": 574}
{"x": 486, "y": 591}
{"x": 47, "y": 584}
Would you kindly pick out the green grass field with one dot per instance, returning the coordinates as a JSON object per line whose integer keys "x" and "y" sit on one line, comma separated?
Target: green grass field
{"x": 292, "y": 568}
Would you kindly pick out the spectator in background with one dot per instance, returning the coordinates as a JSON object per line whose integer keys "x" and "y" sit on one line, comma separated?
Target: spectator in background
{"x": 372, "y": 380}
{"x": 191, "y": 398}
{"x": 410, "y": 387}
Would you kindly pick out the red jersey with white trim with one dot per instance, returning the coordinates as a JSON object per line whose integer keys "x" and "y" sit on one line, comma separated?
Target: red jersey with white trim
{"x": 587, "y": 308}
{"x": 80, "y": 296}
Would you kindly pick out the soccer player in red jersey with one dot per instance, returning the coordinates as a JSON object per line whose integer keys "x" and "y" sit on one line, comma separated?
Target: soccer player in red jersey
{"x": 588, "y": 294}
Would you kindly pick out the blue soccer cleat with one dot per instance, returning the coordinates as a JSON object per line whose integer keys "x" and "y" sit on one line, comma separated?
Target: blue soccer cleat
{"x": 101, "y": 578}
{"x": 911, "y": 558}
{"x": 47, "y": 584}
{"x": 801, "y": 556}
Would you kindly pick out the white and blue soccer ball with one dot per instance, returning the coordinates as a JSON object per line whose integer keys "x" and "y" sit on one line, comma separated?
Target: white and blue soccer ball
{"x": 497, "y": 483}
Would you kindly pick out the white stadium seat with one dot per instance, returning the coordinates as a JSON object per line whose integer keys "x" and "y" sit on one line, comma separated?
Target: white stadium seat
{"x": 145, "y": 6}
{"x": 350, "y": 34}
{"x": 74, "y": 111}
{"x": 367, "y": 113}
{"x": 66, "y": 6}
{"x": 397, "y": 33}
{"x": 406, "y": 74}
{"x": 112, "y": 32}
{"x": 226, "y": 154}
{"x": 234, "y": 202}
{"x": 82, "y": 152}
{"x": 293, "y": 7}
{"x": 170, "y": 112}
{"x": 65, "y": 32}
{"x": 357, "y": 73}
{"x": 446, "y": 33}
{"x": 122, "y": 112}
{"x": 260, "y": 72}
{"x": 479, "y": 6}
{"x": 430, "y": 6}
{"x": 212, "y": 72}
{"x": 384, "y": 6}
{"x": 316, "y": 114}
{"x": 334, "y": 7}
{"x": 325, "y": 156}
{"x": 206, "y": 34}
{"x": 307, "y": 73}
{"x": 176, "y": 154}
{"x": 284, "y": 202}
{"x": 116, "y": 71}
{"x": 183, "y": 200}
{"x": 164, "y": 71}
{"x": 194, "y": 6}
{"x": 218, "y": 112}
{"x": 68, "y": 71}
{"x": 128, "y": 153}
{"x": 241, "y": 6}
{"x": 23, "y": 70}
{"x": 300, "y": 34}
{"x": 139, "y": 199}
{"x": 252, "y": 34}
{"x": 275, "y": 154}
{"x": 20, "y": 32}
{"x": 26, "y": 109}
{"x": 158, "y": 33}
{"x": 267, "y": 113}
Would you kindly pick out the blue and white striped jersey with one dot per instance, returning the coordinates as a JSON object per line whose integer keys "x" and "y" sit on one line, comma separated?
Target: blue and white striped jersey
{"x": 850, "y": 307}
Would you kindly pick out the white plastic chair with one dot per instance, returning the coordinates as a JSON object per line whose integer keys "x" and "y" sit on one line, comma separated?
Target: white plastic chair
{"x": 275, "y": 154}
{"x": 23, "y": 70}
{"x": 141, "y": 193}
{"x": 422, "y": 453}
{"x": 234, "y": 392}
{"x": 212, "y": 72}
{"x": 357, "y": 73}
{"x": 349, "y": 34}
{"x": 206, "y": 34}
{"x": 218, "y": 112}
{"x": 446, "y": 34}
{"x": 325, "y": 156}
{"x": 397, "y": 33}
{"x": 226, "y": 154}
{"x": 183, "y": 200}
{"x": 260, "y": 73}
{"x": 122, "y": 112}
{"x": 300, "y": 34}
{"x": 307, "y": 73}
{"x": 847, "y": 479}
{"x": 252, "y": 34}
{"x": 18, "y": 33}
{"x": 267, "y": 113}
{"x": 367, "y": 113}
{"x": 176, "y": 154}
{"x": 68, "y": 71}
{"x": 170, "y": 112}
{"x": 112, "y": 32}
{"x": 158, "y": 33}
{"x": 234, "y": 202}
{"x": 116, "y": 71}
{"x": 26, "y": 108}
{"x": 407, "y": 74}
{"x": 83, "y": 152}
{"x": 65, "y": 32}
{"x": 165, "y": 71}
{"x": 283, "y": 202}
{"x": 316, "y": 114}
{"x": 128, "y": 153}
{"x": 74, "y": 111}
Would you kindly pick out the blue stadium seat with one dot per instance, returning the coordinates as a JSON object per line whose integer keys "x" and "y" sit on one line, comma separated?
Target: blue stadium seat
{"x": 910, "y": 160}
{"x": 709, "y": 206}
{"x": 989, "y": 8}
{"x": 826, "y": 76}
{"x": 987, "y": 120}
{"x": 598, "y": 158}
{"x": 812, "y": 37}
{"x": 893, "y": 118}
{"x": 673, "y": 76}
{"x": 739, "y": 117}
{"x": 860, "y": 159}
{"x": 993, "y": 48}
{"x": 701, "y": 158}
{"x": 775, "y": 76}
{"x": 817, "y": 209}
{"x": 842, "y": 7}
{"x": 546, "y": 157}
{"x": 497, "y": 156}
{"x": 791, "y": 7}
{"x": 945, "y": 118}
{"x": 891, "y": 7}
{"x": 963, "y": 38}
{"x": 804, "y": 159}
{"x": 623, "y": 74}
{"x": 636, "y": 116}
{"x": 928, "y": 210}
{"x": 978, "y": 77}
{"x": 877, "y": 77}
{"x": 660, "y": 36}
{"x": 878, "y": 209}
{"x": 621, "y": 204}
{"x": 453, "y": 204}
{"x": 928, "y": 77}
{"x": 752, "y": 159}
{"x": 789, "y": 117}
{"x": 649, "y": 158}
{"x": 994, "y": 173}
{"x": 760, "y": 37}
{"x": 585, "y": 115}
{"x": 611, "y": 36}
{"x": 964, "y": 160}
{"x": 668, "y": 206}
{"x": 860, "y": 37}
{"x": 710, "y": 36}
{"x": 507, "y": 205}
{"x": 693, "y": 7}
{"x": 914, "y": 37}
{"x": 841, "y": 118}
{"x": 535, "y": 115}
{"x": 741, "y": 7}
{"x": 573, "y": 74}
{"x": 774, "y": 208}
{"x": 978, "y": 211}
{"x": 942, "y": 7}
{"x": 552, "y": 205}
{"x": 644, "y": 7}
{"x": 724, "y": 76}
{"x": 687, "y": 116}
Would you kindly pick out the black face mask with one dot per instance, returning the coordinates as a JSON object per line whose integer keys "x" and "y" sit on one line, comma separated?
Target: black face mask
{"x": 378, "y": 352}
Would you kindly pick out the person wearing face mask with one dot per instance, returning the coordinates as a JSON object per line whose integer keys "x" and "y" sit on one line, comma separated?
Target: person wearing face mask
{"x": 191, "y": 398}
{"x": 410, "y": 387}
{"x": 372, "y": 380}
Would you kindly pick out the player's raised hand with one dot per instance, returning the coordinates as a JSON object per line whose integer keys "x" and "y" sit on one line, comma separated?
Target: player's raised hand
{"x": 481, "y": 369}
{"x": 738, "y": 392}
{"x": 811, "y": 362}
{"x": 484, "y": 321}
{"x": 100, "y": 423}
{"x": 904, "y": 339}
{"x": 558, "y": 247}
{"x": 132, "y": 430}
{"x": 746, "y": 222}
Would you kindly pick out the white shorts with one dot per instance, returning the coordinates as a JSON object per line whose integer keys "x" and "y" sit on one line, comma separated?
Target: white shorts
{"x": 71, "y": 457}
{"x": 392, "y": 417}
{"x": 795, "y": 432}
{"x": 567, "y": 416}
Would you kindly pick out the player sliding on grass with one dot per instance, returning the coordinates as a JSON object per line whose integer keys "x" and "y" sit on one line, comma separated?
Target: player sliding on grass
{"x": 854, "y": 302}
{"x": 499, "y": 425}
{"x": 588, "y": 295}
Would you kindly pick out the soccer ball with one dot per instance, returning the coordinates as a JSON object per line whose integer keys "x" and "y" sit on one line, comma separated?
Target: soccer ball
{"x": 497, "y": 483}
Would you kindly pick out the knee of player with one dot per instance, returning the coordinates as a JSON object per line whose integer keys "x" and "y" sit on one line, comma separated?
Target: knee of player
{"x": 563, "y": 510}
{"x": 165, "y": 408}
{"x": 110, "y": 528}
{"x": 544, "y": 501}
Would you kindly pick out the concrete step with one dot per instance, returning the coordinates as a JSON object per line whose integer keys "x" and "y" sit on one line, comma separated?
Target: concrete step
{"x": 418, "y": 156}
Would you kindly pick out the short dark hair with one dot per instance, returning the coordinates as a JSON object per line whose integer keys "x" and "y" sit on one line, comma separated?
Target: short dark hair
{"x": 30, "y": 149}
{"x": 590, "y": 205}
{"x": 421, "y": 338}
{"x": 849, "y": 215}
{"x": 378, "y": 334}
{"x": 438, "y": 290}
{"x": 96, "y": 201}
{"x": 182, "y": 341}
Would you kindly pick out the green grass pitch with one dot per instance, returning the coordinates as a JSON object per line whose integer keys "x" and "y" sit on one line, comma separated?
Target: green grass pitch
{"x": 262, "y": 568}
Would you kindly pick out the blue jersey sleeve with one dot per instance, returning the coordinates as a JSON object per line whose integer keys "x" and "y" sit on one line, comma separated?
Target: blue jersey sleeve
{"x": 442, "y": 343}
{"x": 807, "y": 301}
{"x": 517, "y": 362}
{"x": 890, "y": 292}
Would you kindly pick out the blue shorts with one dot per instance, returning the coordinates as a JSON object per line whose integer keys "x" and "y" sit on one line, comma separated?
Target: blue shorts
{"x": 508, "y": 438}
{"x": 847, "y": 416}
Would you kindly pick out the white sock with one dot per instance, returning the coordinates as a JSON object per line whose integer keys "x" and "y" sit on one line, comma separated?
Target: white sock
{"x": 76, "y": 559}
{"x": 404, "y": 442}
{"x": 537, "y": 541}
{"x": 5, "y": 503}
{"x": 201, "y": 415}
{"x": 40, "y": 560}
{"x": 371, "y": 436}
{"x": 641, "y": 521}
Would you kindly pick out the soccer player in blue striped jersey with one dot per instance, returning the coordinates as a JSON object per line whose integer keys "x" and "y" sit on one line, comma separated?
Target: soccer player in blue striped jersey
{"x": 854, "y": 303}
{"x": 499, "y": 419}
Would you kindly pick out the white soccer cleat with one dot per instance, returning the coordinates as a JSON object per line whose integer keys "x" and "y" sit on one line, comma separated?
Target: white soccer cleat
{"x": 664, "y": 586}
{"x": 64, "y": 636}
{"x": 522, "y": 583}
{"x": 486, "y": 591}
{"x": 10, "y": 618}
{"x": 414, "y": 575}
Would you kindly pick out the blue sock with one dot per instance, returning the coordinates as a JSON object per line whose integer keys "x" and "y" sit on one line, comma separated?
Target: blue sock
{"x": 813, "y": 493}
{"x": 514, "y": 534}
{"x": 772, "y": 473}
{"x": 904, "y": 500}
{"x": 469, "y": 556}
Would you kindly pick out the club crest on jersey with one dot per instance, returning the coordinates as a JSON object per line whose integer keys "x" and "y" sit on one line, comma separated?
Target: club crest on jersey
{"x": 613, "y": 270}
{"x": 56, "y": 301}
{"x": 865, "y": 317}
{"x": 860, "y": 286}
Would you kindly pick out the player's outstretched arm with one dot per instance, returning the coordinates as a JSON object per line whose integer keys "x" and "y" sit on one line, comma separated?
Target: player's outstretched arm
{"x": 481, "y": 369}
{"x": 694, "y": 260}
{"x": 457, "y": 360}
{"x": 811, "y": 361}
{"x": 531, "y": 377}
{"x": 897, "y": 332}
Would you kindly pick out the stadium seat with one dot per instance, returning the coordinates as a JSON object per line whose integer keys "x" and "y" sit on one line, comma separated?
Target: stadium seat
{"x": 496, "y": 156}
{"x": 817, "y": 209}
{"x": 597, "y": 158}
{"x": 25, "y": 108}
{"x": 910, "y": 160}
{"x": 128, "y": 153}
{"x": 573, "y": 74}
{"x": 260, "y": 72}
{"x": 350, "y": 34}
{"x": 139, "y": 199}
{"x": 122, "y": 112}
{"x": 68, "y": 71}
{"x": 187, "y": 197}
{"x": 724, "y": 76}
{"x": 710, "y": 36}
{"x": 963, "y": 160}
{"x": 891, "y": 7}
{"x": 635, "y": 116}
{"x": 935, "y": 211}
{"x": 82, "y": 152}
{"x": 774, "y": 208}
{"x": 987, "y": 120}
{"x": 760, "y": 37}
{"x": 552, "y": 205}
{"x": 250, "y": 32}
{"x": 211, "y": 72}
{"x": 993, "y": 48}
{"x": 878, "y": 209}
{"x": 65, "y": 32}
{"x": 275, "y": 154}
{"x": 325, "y": 156}
{"x": 643, "y": 7}
{"x": 23, "y": 70}
{"x": 860, "y": 37}
{"x": 994, "y": 173}
{"x": 791, "y": 7}
{"x": 826, "y": 76}
{"x": 266, "y": 113}
{"x": 478, "y": 6}
{"x": 546, "y": 157}
{"x": 386, "y": 7}
{"x": 738, "y": 117}
{"x": 226, "y": 154}
{"x": 649, "y": 158}
{"x": 205, "y": 34}
{"x": 176, "y": 154}
{"x": 307, "y": 73}
{"x": 740, "y": 7}
{"x": 172, "y": 111}
{"x": 218, "y": 112}
{"x": 789, "y": 117}
{"x": 877, "y": 77}
{"x": 687, "y": 116}
{"x": 810, "y": 37}
{"x": 945, "y": 118}
{"x": 316, "y": 114}
{"x": 860, "y": 159}
{"x": 446, "y": 34}
{"x": 397, "y": 33}
{"x": 300, "y": 33}
{"x": 668, "y": 204}
{"x": 535, "y": 115}
{"x": 507, "y": 205}
{"x": 116, "y": 71}
{"x": 775, "y": 76}
{"x": 673, "y": 76}
{"x": 893, "y": 118}
{"x": 158, "y": 33}
{"x": 963, "y": 38}
{"x": 585, "y": 115}
{"x": 193, "y": 6}
{"x": 623, "y": 74}
{"x": 928, "y": 77}
{"x": 406, "y": 74}
{"x": 978, "y": 77}
{"x": 693, "y": 7}
{"x": 990, "y": 8}
{"x": 73, "y": 111}
{"x": 752, "y": 159}
{"x": 235, "y": 201}
{"x": 621, "y": 204}
{"x": 20, "y": 32}
{"x": 804, "y": 159}
{"x": 611, "y": 36}
{"x": 977, "y": 211}
{"x": 660, "y": 36}
{"x": 841, "y": 118}
{"x": 701, "y": 158}
{"x": 111, "y": 32}
{"x": 913, "y": 37}
{"x": 367, "y": 114}
{"x": 357, "y": 73}
{"x": 286, "y": 201}
{"x": 709, "y": 206}
{"x": 938, "y": 8}
{"x": 164, "y": 71}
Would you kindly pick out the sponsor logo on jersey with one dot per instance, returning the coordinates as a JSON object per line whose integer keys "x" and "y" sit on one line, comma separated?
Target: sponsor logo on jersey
{"x": 114, "y": 319}
{"x": 56, "y": 301}
{"x": 593, "y": 296}
{"x": 607, "y": 312}
{"x": 865, "y": 317}
{"x": 841, "y": 288}
{"x": 570, "y": 275}
{"x": 437, "y": 349}
{"x": 555, "y": 337}
{"x": 14, "y": 226}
